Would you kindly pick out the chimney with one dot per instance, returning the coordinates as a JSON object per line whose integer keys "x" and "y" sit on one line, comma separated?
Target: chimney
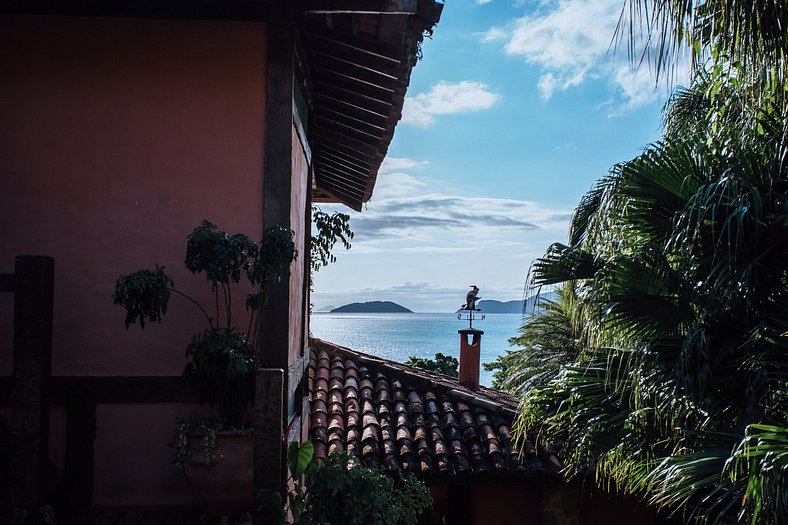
{"x": 470, "y": 350}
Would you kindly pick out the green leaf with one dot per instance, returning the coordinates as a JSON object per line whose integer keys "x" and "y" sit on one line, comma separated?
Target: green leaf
{"x": 299, "y": 457}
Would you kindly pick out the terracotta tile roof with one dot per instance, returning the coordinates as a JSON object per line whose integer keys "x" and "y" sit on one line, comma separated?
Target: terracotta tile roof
{"x": 397, "y": 417}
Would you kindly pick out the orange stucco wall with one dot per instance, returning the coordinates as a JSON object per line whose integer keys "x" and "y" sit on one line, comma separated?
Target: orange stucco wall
{"x": 298, "y": 199}
{"x": 117, "y": 137}
{"x": 506, "y": 505}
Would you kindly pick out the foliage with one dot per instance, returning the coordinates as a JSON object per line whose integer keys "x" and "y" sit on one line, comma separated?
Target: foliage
{"x": 342, "y": 492}
{"x": 222, "y": 371}
{"x": 20, "y": 516}
{"x": 222, "y": 359}
{"x": 677, "y": 265}
{"x": 144, "y": 294}
{"x": 199, "y": 425}
{"x": 442, "y": 364}
{"x": 330, "y": 229}
{"x": 339, "y": 491}
{"x": 547, "y": 341}
{"x": 744, "y": 35}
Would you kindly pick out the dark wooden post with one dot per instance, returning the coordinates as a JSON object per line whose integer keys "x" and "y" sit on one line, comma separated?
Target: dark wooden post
{"x": 32, "y": 367}
{"x": 277, "y": 191}
{"x": 267, "y": 411}
{"x": 80, "y": 453}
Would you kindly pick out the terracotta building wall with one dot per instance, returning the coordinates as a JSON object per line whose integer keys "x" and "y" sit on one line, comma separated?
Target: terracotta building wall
{"x": 506, "y": 505}
{"x": 117, "y": 137}
{"x": 300, "y": 185}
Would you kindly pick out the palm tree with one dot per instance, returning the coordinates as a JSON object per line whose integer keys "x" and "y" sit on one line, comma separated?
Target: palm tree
{"x": 548, "y": 340}
{"x": 749, "y": 32}
{"x": 678, "y": 262}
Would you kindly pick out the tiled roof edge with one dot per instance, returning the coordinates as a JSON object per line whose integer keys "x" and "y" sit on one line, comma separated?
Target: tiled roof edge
{"x": 486, "y": 398}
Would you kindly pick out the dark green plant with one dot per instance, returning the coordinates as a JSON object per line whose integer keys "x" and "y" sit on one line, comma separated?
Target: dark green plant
{"x": 145, "y": 295}
{"x": 20, "y": 516}
{"x": 343, "y": 492}
{"x": 329, "y": 229}
{"x": 442, "y": 364}
{"x": 222, "y": 359}
{"x": 339, "y": 491}
{"x": 678, "y": 264}
{"x": 200, "y": 425}
{"x": 221, "y": 369}
{"x": 547, "y": 341}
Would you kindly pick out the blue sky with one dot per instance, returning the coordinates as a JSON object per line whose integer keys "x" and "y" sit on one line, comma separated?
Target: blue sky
{"x": 515, "y": 110}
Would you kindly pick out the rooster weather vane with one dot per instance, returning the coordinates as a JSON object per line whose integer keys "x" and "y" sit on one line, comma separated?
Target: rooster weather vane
{"x": 470, "y": 307}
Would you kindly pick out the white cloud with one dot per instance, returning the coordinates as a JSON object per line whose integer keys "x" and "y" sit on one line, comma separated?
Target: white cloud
{"x": 392, "y": 184}
{"x": 494, "y": 34}
{"x": 393, "y": 164}
{"x": 447, "y": 98}
{"x": 482, "y": 2}
{"x": 576, "y": 34}
{"x": 416, "y": 231}
{"x": 572, "y": 41}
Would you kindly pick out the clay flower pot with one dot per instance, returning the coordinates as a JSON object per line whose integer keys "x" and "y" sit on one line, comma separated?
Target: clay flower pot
{"x": 225, "y": 486}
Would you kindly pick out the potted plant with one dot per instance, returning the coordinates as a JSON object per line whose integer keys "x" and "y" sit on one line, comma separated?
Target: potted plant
{"x": 216, "y": 455}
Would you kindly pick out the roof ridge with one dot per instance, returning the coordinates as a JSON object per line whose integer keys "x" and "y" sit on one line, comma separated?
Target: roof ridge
{"x": 484, "y": 397}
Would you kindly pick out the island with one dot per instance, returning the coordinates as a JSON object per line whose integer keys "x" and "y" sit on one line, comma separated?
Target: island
{"x": 491, "y": 306}
{"x": 372, "y": 307}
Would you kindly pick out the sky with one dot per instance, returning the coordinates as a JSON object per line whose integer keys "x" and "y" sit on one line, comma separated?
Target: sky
{"x": 515, "y": 109}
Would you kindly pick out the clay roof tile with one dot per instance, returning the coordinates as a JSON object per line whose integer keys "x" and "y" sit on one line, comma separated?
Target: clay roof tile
{"x": 430, "y": 425}
{"x": 319, "y": 419}
{"x": 403, "y": 433}
{"x": 319, "y": 405}
{"x": 351, "y": 383}
{"x": 370, "y": 418}
{"x": 351, "y": 405}
{"x": 352, "y": 419}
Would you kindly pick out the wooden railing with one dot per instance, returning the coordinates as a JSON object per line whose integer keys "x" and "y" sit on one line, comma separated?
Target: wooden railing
{"x": 31, "y": 390}
{"x": 32, "y": 284}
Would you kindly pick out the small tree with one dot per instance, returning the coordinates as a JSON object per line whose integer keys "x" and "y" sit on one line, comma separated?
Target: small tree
{"x": 442, "y": 364}
{"x": 222, "y": 359}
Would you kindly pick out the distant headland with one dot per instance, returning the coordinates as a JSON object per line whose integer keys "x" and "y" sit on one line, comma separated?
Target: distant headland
{"x": 490, "y": 306}
{"x": 372, "y": 307}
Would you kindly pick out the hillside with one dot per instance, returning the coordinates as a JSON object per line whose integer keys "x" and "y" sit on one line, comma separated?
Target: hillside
{"x": 491, "y": 306}
{"x": 377, "y": 307}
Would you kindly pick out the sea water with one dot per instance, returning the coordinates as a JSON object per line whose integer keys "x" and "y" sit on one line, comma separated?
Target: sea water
{"x": 399, "y": 336}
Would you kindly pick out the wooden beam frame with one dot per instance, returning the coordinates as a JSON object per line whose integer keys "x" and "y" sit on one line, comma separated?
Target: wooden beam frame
{"x": 34, "y": 278}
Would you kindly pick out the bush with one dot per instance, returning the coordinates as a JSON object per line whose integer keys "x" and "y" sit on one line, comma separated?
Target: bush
{"x": 339, "y": 491}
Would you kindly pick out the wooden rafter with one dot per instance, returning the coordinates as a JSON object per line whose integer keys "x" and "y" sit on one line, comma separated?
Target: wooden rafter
{"x": 360, "y": 55}
{"x": 359, "y": 7}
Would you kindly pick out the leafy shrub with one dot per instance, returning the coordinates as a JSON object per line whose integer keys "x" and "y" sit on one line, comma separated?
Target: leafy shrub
{"x": 339, "y": 491}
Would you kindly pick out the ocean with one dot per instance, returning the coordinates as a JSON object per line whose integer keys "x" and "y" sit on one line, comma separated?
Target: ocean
{"x": 399, "y": 336}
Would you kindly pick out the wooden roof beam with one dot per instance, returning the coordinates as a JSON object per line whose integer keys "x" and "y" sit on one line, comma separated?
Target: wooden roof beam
{"x": 351, "y": 146}
{"x": 376, "y": 104}
{"x": 356, "y": 45}
{"x": 355, "y": 73}
{"x": 354, "y": 199}
{"x": 359, "y": 7}
{"x": 353, "y": 108}
{"x": 350, "y": 131}
{"x": 375, "y": 65}
{"x": 348, "y": 120}
{"x": 341, "y": 183}
{"x": 349, "y": 171}
{"x": 354, "y": 162}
